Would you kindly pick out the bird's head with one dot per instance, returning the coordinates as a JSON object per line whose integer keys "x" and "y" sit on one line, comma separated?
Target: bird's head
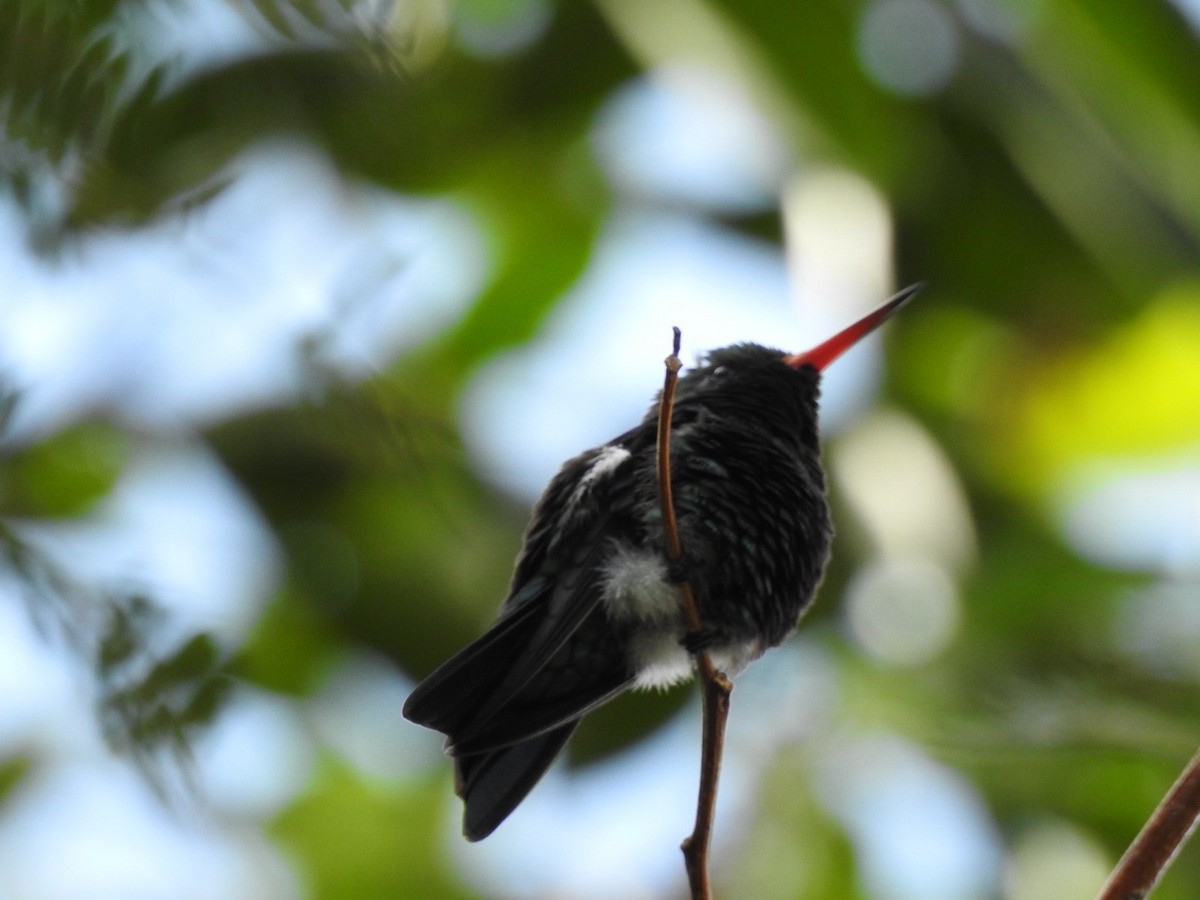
{"x": 736, "y": 363}
{"x": 742, "y": 378}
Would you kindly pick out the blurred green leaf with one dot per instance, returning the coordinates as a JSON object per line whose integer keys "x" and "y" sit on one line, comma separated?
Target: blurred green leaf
{"x": 59, "y": 71}
{"x": 292, "y": 647}
{"x": 12, "y": 772}
{"x": 196, "y": 658}
{"x": 151, "y": 700}
{"x": 360, "y": 840}
{"x": 64, "y": 475}
{"x": 793, "y": 847}
{"x": 390, "y": 537}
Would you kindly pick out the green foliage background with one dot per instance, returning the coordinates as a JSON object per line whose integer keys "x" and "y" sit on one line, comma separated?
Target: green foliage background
{"x": 1050, "y": 194}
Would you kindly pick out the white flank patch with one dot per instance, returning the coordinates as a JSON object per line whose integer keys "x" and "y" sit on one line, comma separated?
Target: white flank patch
{"x": 636, "y": 588}
{"x": 659, "y": 659}
{"x": 636, "y": 591}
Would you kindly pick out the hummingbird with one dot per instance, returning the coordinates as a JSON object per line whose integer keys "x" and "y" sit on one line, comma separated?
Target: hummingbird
{"x": 594, "y": 609}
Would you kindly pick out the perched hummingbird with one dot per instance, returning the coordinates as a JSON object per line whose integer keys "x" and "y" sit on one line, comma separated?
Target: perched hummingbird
{"x": 594, "y": 605}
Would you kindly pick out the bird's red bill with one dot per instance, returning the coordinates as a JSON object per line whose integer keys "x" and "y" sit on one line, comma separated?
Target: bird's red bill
{"x": 820, "y": 356}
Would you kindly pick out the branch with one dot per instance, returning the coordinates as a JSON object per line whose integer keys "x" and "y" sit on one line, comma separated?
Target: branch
{"x": 1168, "y": 828}
{"x": 716, "y": 686}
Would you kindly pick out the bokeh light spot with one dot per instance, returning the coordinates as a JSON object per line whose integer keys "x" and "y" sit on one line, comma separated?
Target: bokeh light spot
{"x": 908, "y": 46}
{"x": 902, "y": 611}
{"x": 904, "y": 490}
{"x": 1051, "y": 860}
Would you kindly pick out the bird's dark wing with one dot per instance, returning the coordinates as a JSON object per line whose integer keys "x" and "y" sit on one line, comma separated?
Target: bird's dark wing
{"x": 582, "y": 673}
{"x": 452, "y": 695}
{"x": 495, "y": 690}
{"x": 562, "y": 511}
{"x": 556, "y": 586}
{"x": 509, "y": 701}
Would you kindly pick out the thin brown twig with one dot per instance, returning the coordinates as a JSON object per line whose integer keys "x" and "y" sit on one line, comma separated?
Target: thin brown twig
{"x": 715, "y": 685}
{"x": 1160, "y": 839}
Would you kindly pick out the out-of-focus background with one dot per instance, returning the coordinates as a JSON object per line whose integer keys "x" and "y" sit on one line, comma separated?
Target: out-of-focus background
{"x": 302, "y": 301}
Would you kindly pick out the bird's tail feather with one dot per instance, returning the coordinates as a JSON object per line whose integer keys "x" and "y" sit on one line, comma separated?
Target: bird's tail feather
{"x": 491, "y": 784}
